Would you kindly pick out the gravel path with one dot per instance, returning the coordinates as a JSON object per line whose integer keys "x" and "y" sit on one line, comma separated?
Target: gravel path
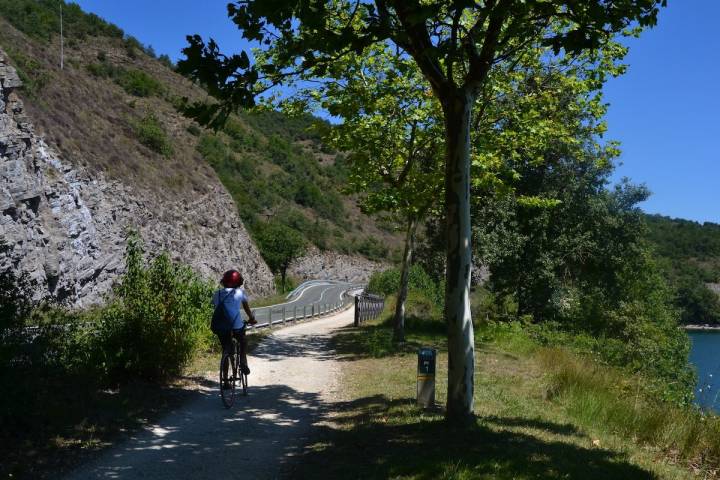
{"x": 294, "y": 374}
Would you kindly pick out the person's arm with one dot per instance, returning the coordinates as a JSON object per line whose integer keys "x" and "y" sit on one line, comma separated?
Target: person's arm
{"x": 251, "y": 316}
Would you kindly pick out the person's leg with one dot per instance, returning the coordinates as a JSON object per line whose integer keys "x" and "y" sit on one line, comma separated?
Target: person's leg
{"x": 226, "y": 342}
{"x": 242, "y": 339}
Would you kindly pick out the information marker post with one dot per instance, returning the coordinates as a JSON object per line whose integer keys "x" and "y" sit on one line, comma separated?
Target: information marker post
{"x": 426, "y": 377}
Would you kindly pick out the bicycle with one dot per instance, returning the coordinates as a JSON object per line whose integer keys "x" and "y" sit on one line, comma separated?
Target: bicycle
{"x": 232, "y": 360}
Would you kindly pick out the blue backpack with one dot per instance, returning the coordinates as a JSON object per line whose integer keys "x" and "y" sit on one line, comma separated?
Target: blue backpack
{"x": 221, "y": 322}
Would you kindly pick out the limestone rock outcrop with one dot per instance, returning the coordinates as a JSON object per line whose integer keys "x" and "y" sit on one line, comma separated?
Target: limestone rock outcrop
{"x": 316, "y": 264}
{"x": 66, "y": 228}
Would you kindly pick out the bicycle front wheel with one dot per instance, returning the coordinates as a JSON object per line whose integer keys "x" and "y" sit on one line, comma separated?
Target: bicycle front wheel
{"x": 227, "y": 381}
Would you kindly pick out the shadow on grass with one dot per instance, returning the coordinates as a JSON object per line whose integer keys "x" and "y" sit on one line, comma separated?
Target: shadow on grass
{"x": 375, "y": 340}
{"x": 385, "y": 438}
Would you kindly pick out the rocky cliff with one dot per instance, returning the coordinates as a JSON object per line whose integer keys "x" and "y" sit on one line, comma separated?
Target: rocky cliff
{"x": 334, "y": 266}
{"x": 65, "y": 225}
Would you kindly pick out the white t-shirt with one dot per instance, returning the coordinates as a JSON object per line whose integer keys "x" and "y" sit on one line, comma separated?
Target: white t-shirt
{"x": 233, "y": 299}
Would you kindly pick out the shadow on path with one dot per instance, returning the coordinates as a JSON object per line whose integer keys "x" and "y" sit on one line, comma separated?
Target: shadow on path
{"x": 203, "y": 440}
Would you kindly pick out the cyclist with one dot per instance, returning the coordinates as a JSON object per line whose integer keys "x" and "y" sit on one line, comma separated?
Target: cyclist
{"x": 233, "y": 297}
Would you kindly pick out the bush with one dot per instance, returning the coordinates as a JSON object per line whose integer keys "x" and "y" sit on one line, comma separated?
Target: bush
{"x": 151, "y": 133}
{"x": 32, "y": 74}
{"x": 387, "y": 283}
{"x": 104, "y": 70}
{"x": 15, "y": 307}
{"x": 158, "y": 320}
{"x": 139, "y": 83}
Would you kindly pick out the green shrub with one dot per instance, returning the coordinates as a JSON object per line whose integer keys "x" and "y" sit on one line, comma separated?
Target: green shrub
{"x": 387, "y": 283}
{"x": 194, "y": 130}
{"x": 157, "y": 322}
{"x": 104, "y": 70}
{"x": 32, "y": 74}
{"x": 15, "y": 307}
{"x": 139, "y": 83}
{"x": 151, "y": 133}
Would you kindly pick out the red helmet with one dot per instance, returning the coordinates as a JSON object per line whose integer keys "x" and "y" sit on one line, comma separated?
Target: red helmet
{"x": 231, "y": 279}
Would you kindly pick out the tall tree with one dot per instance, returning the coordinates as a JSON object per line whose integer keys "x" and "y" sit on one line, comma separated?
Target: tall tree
{"x": 391, "y": 129}
{"x": 279, "y": 246}
{"x": 455, "y": 44}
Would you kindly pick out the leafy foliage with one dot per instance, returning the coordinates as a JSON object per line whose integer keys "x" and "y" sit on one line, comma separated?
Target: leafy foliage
{"x": 582, "y": 270}
{"x": 32, "y": 74}
{"x": 139, "y": 83}
{"x": 41, "y": 19}
{"x": 15, "y": 307}
{"x": 279, "y": 245}
{"x": 690, "y": 258}
{"x": 157, "y": 321}
{"x": 134, "y": 82}
{"x": 151, "y": 133}
{"x": 387, "y": 283}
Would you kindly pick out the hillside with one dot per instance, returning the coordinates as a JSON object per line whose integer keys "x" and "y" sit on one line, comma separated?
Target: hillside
{"x": 689, "y": 253}
{"x": 135, "y": 162}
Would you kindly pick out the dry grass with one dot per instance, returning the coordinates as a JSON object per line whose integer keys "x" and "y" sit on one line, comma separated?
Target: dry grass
{"x": 521, "y": 432}
{"x": 604, "y": 398}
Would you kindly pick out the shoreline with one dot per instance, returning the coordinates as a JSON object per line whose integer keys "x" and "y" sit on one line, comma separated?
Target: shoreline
{"x": 700, "y": 328}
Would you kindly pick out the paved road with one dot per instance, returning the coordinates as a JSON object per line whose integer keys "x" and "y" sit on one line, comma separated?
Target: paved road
{"x": 312, "y": 298}
{"x": 293, "y": 381}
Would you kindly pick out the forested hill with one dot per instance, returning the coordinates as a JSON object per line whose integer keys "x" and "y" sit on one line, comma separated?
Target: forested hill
{"x": 115, "y": 109}
{"x": 689, "y": 253}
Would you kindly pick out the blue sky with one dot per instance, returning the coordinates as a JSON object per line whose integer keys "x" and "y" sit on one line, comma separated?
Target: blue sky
{"x": 664, "y": 110}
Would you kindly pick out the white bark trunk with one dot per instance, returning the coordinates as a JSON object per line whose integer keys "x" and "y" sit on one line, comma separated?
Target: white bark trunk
{"x": 399, "y": 325}
{"x": 461, "y": 342}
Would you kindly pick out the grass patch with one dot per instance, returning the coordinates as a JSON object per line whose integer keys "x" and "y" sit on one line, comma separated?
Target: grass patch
{"x": 601, "y": 397}
{"x": 541, "y": 413}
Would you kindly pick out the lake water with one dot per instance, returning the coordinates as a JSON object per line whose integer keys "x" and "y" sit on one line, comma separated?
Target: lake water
{"x": 705, "y": 355}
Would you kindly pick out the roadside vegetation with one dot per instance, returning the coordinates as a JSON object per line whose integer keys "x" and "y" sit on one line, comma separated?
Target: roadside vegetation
{"x": 543, "y": 411}
{"x": 75, "y": 381}
{"x": 79, "y": 378}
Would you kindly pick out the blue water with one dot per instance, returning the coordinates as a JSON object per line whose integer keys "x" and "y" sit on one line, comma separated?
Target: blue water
{"x": 705, "y": 355}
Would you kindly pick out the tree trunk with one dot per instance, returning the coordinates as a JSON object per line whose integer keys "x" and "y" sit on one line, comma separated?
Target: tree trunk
{"x": 399, "y": 328}
{"x": 461, "y": 342}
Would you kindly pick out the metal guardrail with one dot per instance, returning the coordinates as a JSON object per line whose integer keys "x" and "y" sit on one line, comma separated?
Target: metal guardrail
{"x": 284, "y": 313}
{"x": 368, "y": 306}
{"x": 272, "y": 315}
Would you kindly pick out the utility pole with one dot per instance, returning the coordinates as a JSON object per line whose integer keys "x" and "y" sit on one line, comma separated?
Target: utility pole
{"x": 62, "y": 46}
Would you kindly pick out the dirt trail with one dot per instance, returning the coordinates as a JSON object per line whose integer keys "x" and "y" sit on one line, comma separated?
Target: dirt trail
{"x": 294, "y": 374}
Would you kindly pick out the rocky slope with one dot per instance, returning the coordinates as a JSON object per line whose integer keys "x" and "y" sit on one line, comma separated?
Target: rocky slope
{"x": 65, "y": 225}
{"x": 317, "y": 264}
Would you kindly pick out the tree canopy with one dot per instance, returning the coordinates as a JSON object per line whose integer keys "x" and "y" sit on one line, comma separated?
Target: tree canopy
{"x": 455, "y": 45}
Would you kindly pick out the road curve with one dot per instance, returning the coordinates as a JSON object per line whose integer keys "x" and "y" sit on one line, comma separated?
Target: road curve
{"x": 310, "y": 299}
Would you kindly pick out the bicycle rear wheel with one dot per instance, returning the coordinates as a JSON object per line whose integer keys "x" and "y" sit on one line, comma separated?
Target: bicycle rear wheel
{"x": 227, "y": 381}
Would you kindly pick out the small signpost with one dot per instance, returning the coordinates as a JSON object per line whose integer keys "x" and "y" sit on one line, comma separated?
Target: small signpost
{"x": 426, "y": 377}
